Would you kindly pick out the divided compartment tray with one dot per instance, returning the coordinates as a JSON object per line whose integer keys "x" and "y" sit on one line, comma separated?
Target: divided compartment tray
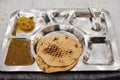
{"x": 100, "y": 50}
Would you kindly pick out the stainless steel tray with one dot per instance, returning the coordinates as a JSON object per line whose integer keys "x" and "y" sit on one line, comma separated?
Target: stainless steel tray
{"x": 100, "y": 50}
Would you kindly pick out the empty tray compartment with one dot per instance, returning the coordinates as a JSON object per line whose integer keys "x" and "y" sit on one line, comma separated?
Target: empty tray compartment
{"x": 99, "y": 51}
{"x": 78, "y": 16}
{"x": 59, "y": 16}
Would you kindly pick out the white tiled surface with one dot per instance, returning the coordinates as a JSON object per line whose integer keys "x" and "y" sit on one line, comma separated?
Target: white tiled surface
{"x": 8, "y": 6}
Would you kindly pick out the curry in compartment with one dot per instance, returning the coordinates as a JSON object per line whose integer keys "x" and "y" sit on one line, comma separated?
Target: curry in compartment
{"x": 24, "y": 24}
{"x": 19, "y": 53}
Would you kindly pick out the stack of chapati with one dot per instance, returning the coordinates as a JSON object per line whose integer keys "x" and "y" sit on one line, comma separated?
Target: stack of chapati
{"x": 58, "y": 52}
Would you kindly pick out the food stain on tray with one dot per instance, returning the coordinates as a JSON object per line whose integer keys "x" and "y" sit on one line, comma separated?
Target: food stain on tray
{"x": 19, "y": 53}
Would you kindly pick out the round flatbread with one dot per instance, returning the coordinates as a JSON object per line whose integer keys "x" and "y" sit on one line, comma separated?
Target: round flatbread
{"x": 59, "y": 49}
{"x": 50, "y": 69}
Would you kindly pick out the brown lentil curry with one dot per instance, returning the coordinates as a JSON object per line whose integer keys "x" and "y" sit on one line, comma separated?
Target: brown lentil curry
{"x": 19, "y": 53}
